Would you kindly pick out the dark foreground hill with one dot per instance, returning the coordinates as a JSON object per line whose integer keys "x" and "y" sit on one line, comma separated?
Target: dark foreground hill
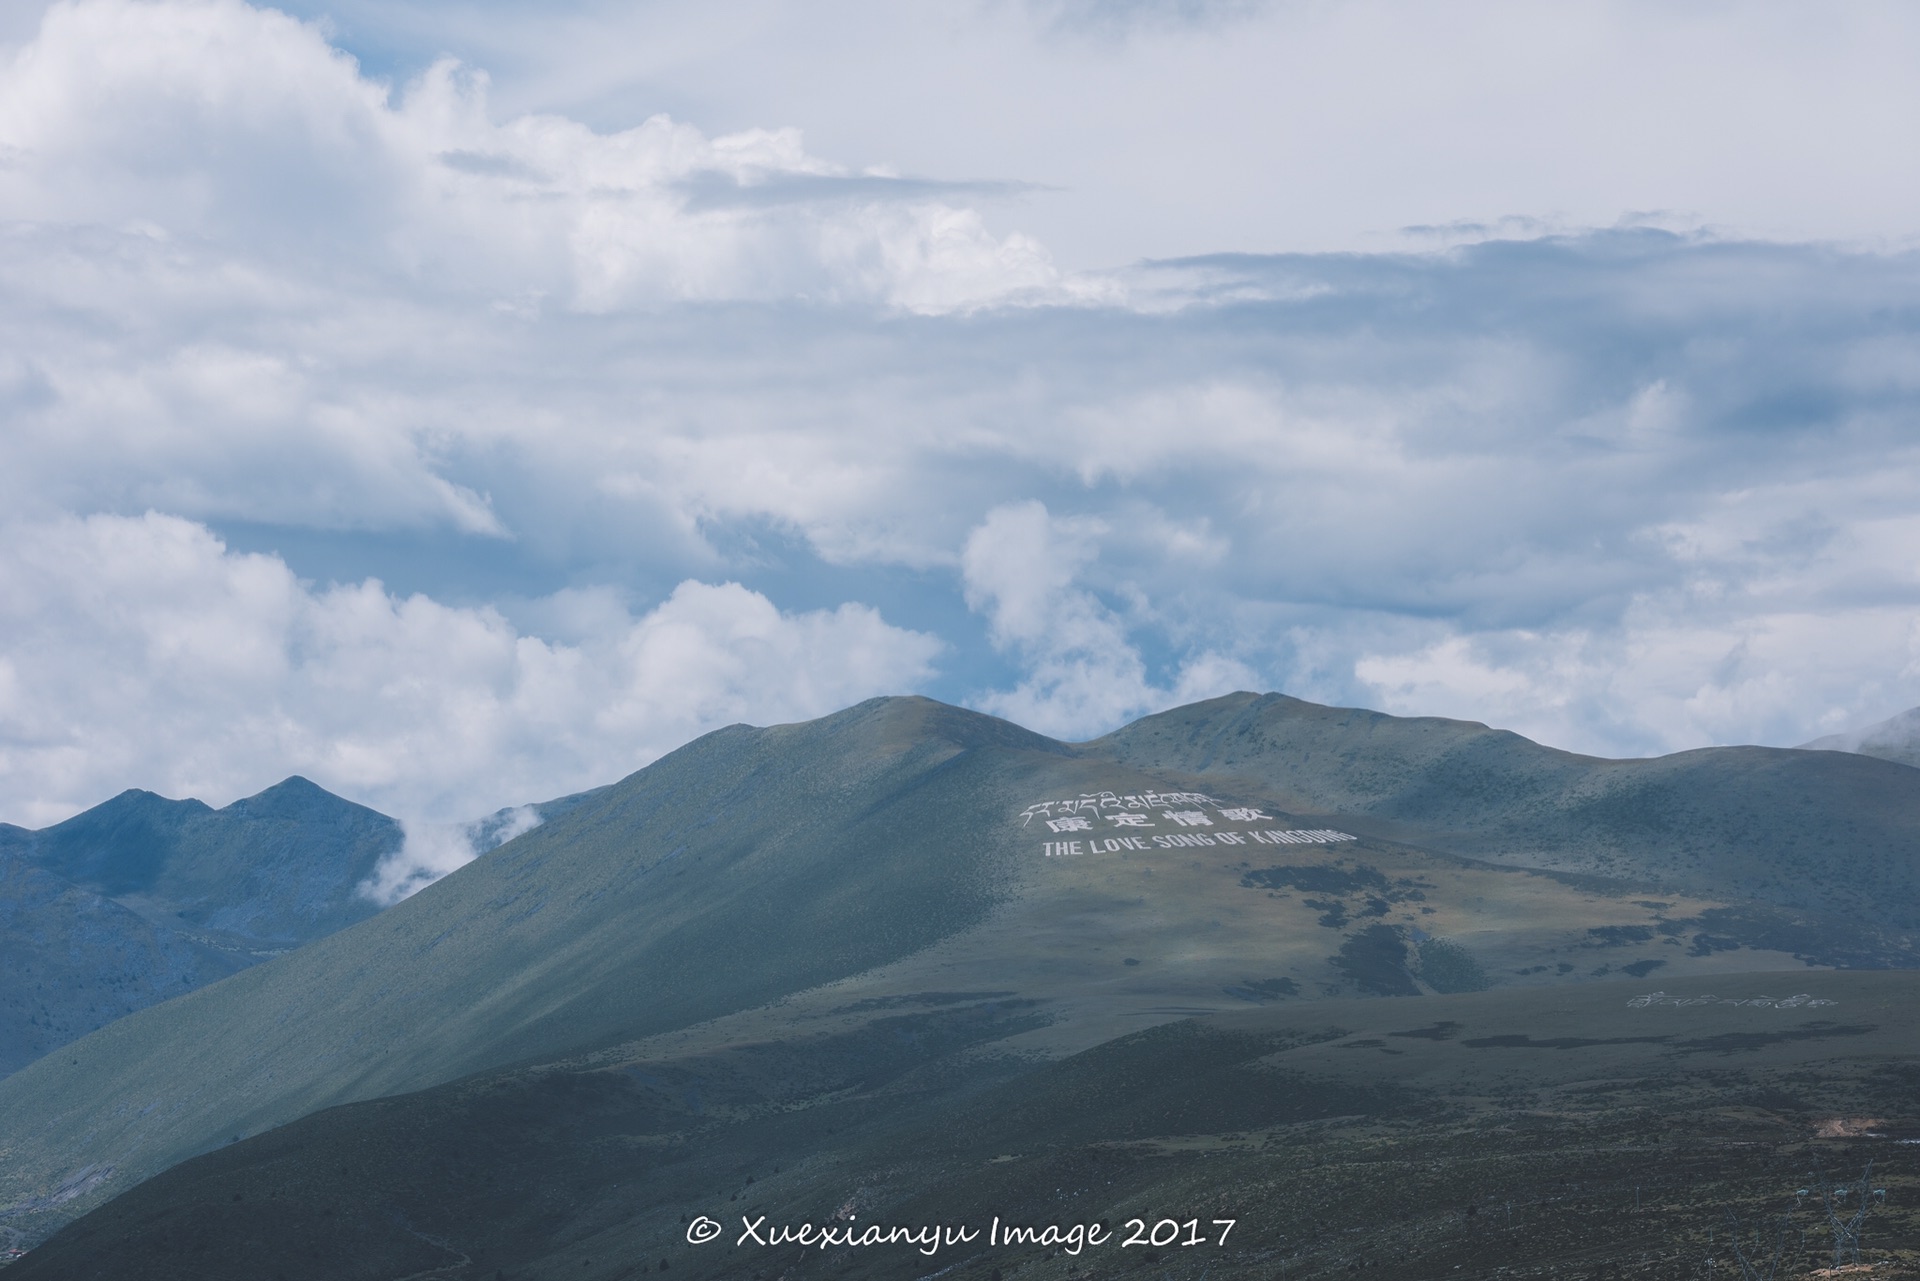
{"x": 143, "y": 898}
{"x": 1594, "y": 1131}
{"x": 922, "y": 898}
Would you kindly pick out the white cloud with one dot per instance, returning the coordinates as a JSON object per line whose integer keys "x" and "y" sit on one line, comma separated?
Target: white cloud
{"x": 492, "y": 354}
{"x": 1083, "y": 673}
{"x": 1671, "y": 677}
{"x": 429, "y": 851}
{"x": 210, "y": 118}
{"x": 142, "y": 649}
{"x": 1239, "y": 126}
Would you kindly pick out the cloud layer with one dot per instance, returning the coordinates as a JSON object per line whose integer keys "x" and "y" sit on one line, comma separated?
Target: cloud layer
{"x": 460, "y": 458}
{"x": 141, "y": 648}
{"x": 1164, "y": 128}
{"x": 209, "y": 119}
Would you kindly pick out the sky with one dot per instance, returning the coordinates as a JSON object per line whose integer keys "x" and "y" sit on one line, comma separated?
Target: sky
{"x": 464, "y": 403}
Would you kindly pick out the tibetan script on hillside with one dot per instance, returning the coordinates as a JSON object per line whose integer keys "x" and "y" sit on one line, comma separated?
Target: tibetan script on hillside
{"x": 1108, "y": 822}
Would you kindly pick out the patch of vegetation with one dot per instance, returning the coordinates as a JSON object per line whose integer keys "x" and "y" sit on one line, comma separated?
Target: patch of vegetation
{"x": 917, "y": 998}
{"x": 1621, "y": 935}
{"x": 1738, "y": 1042}
{"x": 1815, "y": 939}
{"x": 1333, "y": 913}
{"x": 1445, "y": 1030}
{"x": 1448, "y": 967}
{"x": 1375, "y": 961}
{"x": 1520, "y": 1041}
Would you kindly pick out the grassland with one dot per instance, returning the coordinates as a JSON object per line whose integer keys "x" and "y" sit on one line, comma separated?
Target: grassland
{"x": 1530, "y": 1133}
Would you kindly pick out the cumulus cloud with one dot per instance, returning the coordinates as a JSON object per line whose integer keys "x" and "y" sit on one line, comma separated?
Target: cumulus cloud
{"x": 1178, "y": 127}
{"x": 1666, "y": 680}
{"x": 1778, "y": 625}
{"x": 142, "y": 648}
{"x": 447, "y": 453}
{"x": 1083, "y": 673}
{"x": 214, "y": 119}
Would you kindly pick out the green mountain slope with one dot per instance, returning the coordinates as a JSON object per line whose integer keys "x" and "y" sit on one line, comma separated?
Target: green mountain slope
{"x": 1527, "y": 1133}
{"x": 748, "y": 865}
{"x": 1824, "y": 830}
{"x": 760, "y": 887}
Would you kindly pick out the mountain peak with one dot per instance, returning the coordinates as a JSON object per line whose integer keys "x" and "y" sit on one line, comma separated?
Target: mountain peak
{"x": 120, "y": 845}
{"x": 137, "y": 801}
{"x": 278, "y": 866}
{"x": 292, "y": 797}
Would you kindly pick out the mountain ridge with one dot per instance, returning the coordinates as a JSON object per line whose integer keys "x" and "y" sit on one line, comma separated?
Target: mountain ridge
{"x": 761, "y": 884}
{"x": 277, "y": 867}
{"x": 537, "y": 976}
{"x": 1432, "y": 781}
{"x": 141, "y": 898}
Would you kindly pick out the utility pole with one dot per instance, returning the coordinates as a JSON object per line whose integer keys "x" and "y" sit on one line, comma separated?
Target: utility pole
{"x": 1833, "y": 1200}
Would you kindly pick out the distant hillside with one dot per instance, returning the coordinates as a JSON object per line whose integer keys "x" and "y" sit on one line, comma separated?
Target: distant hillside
{"x": 278, "y": 868}
{"x": 804, "y": 880}
{"x": 143, "y": 898}
{"x": 1895, "y": 739}
{"x": 1821, "y": 830}
{"x": 73, "y": 960}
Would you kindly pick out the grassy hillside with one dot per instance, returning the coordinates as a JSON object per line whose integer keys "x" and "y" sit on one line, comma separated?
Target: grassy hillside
{"x": 746, "y": 866}
{"x": 1520, "y": 1133}
{"x": 1828, "y": 831}
{"x": 912, "y": 862}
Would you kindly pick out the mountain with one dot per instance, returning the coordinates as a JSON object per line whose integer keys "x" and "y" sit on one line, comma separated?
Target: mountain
{"x": 143, "y": 898}
{"x": 1895, "y": 739}
{"x": 1830, "y": 832}
{"x": 75, "y": 960}
{"x": 277, "y": 868}
{"x": 910, "y": 900}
